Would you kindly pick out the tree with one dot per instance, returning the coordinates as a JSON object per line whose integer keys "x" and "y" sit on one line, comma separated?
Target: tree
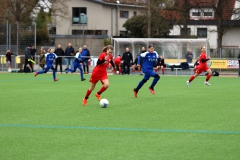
{"x": 24, "y": 11}
{"x": 224, "y": 10}
{"x": 150, "y": 23}
{"x": 42, "y": 31}
{"x": 136, "y": 26}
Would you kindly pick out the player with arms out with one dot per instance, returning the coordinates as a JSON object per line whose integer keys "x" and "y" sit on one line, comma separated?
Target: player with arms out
{"x": 149, "y": 61}
{"x": 117, "y": 62}
{"x": 49, "y": 57}
{"x": 77, "y": 64}
{"x": 202, "y": 67}
{"x": 99, "y": 73}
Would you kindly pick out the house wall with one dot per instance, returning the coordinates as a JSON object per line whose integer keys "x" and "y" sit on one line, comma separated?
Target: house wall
{"x": 230, "y": 39}
{"x": 99, "y": 17}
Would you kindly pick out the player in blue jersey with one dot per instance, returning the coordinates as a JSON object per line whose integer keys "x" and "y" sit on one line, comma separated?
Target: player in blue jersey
{"x": 149, "y": 61}
{"x": 77, "y": 64}
{"x": 49, "y": 57}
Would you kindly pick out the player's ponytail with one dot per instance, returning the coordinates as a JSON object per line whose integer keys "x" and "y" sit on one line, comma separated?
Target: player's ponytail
{"x": 107, "y": 47}
{"x": 50, "y": 49}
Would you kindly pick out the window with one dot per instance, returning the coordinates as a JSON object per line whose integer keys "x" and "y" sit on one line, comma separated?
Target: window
{"x": 202, "y": 32}
{"x": 196, "y": 13}
{"x": 134, "y": 13}
{"x": 123, "y": 33}
{"x": 79, "y": 15}
{"x": 124, "y": 14}
{"x": 208, "y": 13}
{"x": 52, "y": 30}
{"x": 89, "y": 32}
{"x": 204, "y": 12}
{"x": 188, "y": 31}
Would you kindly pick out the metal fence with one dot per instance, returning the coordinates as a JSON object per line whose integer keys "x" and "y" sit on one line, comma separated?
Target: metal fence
{"x": 16, "y": 37}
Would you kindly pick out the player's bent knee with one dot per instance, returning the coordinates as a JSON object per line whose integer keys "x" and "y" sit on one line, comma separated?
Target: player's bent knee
{"x": 157, "y": 76}
{"x": 144, "y": 80}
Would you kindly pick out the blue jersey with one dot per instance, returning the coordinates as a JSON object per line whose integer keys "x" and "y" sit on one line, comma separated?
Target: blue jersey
{"x": 78, "y": 57}
{"x": 149, "y": 61}
{"x": 49, "y": 57}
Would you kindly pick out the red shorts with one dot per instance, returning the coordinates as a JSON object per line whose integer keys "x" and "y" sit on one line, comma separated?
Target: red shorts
{"x": 117, "y": 63}
{"x": 201, "y": 69}
{"x": 98, "y": 76}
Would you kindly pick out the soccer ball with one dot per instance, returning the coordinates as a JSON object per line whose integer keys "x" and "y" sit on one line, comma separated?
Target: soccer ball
{"x": 104, "y": 103}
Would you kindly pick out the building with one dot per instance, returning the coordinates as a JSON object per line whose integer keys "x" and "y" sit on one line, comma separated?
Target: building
{"x": 203, "y": 21}
{"x": 90, "y": 21}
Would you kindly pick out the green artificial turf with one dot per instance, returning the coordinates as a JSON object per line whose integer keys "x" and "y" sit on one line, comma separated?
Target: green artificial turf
{"x": 42, "y": 119}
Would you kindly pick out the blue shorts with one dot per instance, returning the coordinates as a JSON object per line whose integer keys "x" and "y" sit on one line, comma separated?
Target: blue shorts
{"x": 49, "y": 67}
{"x": 148, "y": 74}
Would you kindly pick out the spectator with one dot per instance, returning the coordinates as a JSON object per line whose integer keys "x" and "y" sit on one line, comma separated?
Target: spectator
{"x": 135, "y": 66}
{"x": 140, "y": 66}
{"x": 33, "y": 54}
{"x": 239, "y": 64}
{"x": 160, "y": 64}
{"x": 59, "y": 52}
{"x": 42, "y": 61}
{"x": 28, "y": 58}
{"x": 68, "y": 53}
{"x": 9, "y": 59}
{"x": 189, "y": 56}
{"x": 127, "y": 59}
{"x": 85, "y": 59}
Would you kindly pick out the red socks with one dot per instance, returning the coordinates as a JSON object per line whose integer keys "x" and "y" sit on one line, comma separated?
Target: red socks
{"x": 191, "y": 78}
{"x": 208, "y": 77}
{"x": 102, "y": 90}
{"x": 87, "y": 94}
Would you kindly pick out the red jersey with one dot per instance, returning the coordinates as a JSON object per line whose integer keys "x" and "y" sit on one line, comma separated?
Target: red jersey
{"x": 118, "y": 59}
{"x": 203, "y": 56}
{"x": 102, "y": 68}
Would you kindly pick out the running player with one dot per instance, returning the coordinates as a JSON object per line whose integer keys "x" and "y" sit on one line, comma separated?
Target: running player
{"x": 202, "y": 67}
{"x": 149, "y": 61}
{"x": 77, "y": 64}
{"x": 49, "y": 62}
{"x": 99, "y": 73}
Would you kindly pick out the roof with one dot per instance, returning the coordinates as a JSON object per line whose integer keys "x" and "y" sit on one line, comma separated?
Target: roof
{"x": 121, "y": 2}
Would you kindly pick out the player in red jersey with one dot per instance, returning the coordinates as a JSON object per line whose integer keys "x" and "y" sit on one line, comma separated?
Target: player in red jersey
{"x": 117, "y": 62}
{"x": 196, "y": 65}
{"x": 202, "y": 67}
{"x": 99, "y": 73}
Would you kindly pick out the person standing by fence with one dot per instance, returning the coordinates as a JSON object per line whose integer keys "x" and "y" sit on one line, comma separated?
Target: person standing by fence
{"x": 42, "y": 61}
{"x": 9, "y": 59}
{"x": 33, "y": 54}
{"x": 69, "y": 52}
{"x": 85, "y": 59}
{"x": 60, "y": 53}
{"x": 239, "y": 64}
{"x": 28, "y": 59}
{"x": 127, "y": 59}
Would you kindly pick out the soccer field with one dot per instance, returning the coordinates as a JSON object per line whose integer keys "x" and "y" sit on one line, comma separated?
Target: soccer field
{"x": 41, "y": 119}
